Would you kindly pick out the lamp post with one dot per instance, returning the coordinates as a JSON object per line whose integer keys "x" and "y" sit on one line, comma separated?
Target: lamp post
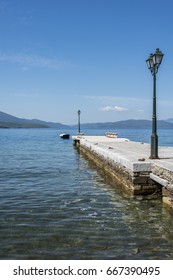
{"x": 79, "y": 112}
{"x": 153, "y": 63}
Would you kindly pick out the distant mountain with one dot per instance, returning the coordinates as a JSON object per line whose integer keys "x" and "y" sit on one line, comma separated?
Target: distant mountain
{"x": 50, "y": 124}
{"x": 170, "y": 120}
{"x": 20, "y": 125}
{"x": 127, "y": 124}
{"x": 9, "y": 121}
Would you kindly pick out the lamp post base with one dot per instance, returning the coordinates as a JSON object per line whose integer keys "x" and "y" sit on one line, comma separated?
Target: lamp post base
{"x": 154, "y": 147}
{"x": 154, "y": 157}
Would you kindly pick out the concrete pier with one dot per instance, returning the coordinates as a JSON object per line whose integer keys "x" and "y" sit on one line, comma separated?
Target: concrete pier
{"x": 129, "y": 164}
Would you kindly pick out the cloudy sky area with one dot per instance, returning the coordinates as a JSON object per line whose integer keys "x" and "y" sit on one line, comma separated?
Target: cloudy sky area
{"x": 60, "y": 56}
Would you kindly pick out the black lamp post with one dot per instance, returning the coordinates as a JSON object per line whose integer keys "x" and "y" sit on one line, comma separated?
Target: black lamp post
{"x": 79, "y": 112}
{"x": 153, "y": 63}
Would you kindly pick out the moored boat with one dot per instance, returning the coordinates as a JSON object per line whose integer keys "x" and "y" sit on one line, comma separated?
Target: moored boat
{"x": 111, "y": 135}
{"x": 64, "y": 135}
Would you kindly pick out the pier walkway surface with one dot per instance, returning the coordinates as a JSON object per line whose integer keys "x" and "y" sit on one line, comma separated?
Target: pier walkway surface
{"x": 131, "y": 165}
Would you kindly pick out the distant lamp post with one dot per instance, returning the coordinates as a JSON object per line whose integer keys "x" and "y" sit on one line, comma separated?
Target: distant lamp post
{"x": 79, "y": 112}
{"x": 153, "y": 63}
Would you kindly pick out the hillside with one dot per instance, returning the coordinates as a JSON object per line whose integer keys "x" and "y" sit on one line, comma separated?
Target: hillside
{"x": 170, "y": 120}
{"x": 132, "y": 124}
{"x": 20, "y": 125}
{"x": 9, "y": 121}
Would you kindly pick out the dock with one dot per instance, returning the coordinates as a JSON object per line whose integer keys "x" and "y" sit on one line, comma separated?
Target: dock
{"x": 129, "y": 164}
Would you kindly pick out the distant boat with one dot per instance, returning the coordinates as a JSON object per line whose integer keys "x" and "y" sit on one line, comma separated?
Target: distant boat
{"x": 111, "y": 135}
{"x": 64, "y": 135}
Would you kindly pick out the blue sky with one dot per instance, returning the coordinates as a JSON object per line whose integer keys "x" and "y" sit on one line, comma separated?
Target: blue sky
{"x": 58, "y": 56}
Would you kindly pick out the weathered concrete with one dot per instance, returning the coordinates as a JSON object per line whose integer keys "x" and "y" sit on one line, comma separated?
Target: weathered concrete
{"x": 128, "y": 162}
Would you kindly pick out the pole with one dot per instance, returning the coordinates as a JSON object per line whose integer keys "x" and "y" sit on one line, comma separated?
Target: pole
{"x": 154, "y": 137}
{"x": 153, "y": 63}
{"x": 78, "y": 122}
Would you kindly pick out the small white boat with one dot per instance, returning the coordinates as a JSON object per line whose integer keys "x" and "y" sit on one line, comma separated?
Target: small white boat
{"x": 111, "y": 135}
{"x": 64, "y": 135}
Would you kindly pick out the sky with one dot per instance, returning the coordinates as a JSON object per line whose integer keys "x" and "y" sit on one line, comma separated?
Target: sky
{"x": 59, "y": 56}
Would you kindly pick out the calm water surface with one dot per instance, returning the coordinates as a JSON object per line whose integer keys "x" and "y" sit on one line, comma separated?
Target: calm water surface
{"x": 56, "y": 205}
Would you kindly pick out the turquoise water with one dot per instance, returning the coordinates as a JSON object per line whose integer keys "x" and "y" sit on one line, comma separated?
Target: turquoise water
{"x": 56, "y": 205}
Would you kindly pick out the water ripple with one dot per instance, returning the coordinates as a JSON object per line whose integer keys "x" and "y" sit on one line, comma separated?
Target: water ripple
{"x": 57, "y": 205}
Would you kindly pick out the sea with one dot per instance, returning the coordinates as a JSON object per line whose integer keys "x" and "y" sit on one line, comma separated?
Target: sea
{"x": 57, "y": 205}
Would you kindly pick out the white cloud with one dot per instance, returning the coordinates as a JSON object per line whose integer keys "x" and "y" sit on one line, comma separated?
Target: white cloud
{"x": 113, "y": 108}
{"x": 34, "y": 61}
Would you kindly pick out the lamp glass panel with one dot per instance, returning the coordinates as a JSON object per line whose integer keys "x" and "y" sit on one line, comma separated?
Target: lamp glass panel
{"x": 157, "y": 57}
{"x": 151, "y": 62}
{"x": 148, "y": 63}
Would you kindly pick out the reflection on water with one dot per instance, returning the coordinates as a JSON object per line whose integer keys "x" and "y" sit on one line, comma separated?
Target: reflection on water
{"x": 56, "y": 205}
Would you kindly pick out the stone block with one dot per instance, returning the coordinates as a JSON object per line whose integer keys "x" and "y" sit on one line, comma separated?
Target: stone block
{"x": 168, "y": 201}
{"x": 140, "y": 180}
{"x": 159, "y": 180}
{"x": 140, "y": 167}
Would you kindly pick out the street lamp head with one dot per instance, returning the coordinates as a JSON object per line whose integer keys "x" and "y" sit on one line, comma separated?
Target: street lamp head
{"x": 154, "y": 61}
{"x": 78, "y": 112}
{"x": 157, "y": 57}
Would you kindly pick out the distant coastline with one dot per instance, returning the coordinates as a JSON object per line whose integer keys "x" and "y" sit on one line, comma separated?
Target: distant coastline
{"x": 19, "y": 125}
{"x": 9, "y": 121}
